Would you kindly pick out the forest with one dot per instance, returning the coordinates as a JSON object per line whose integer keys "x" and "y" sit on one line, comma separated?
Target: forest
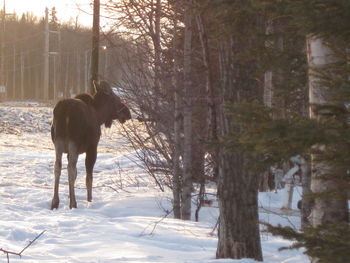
{"x": 233, "y": 93}
{"x": 68, "y": 50}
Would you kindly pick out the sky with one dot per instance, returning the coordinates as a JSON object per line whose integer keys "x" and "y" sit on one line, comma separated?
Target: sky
{"x": 66, "y": 9}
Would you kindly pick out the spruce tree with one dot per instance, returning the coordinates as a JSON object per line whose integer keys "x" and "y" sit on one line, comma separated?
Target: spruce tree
{"x": 325, "y": 136}
{"x": 239, "y": 235}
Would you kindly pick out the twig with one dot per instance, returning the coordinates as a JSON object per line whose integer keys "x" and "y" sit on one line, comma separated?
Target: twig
{"x": 215, "y": 227}
{"x": 155, "y": 224}
{"x": 286, "y": 217}
{"x": 31, "y": 242}
{"x": 7, "y": 252}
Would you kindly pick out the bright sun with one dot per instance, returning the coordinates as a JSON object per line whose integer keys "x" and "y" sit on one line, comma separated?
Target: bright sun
{"x": 66, "y": 9}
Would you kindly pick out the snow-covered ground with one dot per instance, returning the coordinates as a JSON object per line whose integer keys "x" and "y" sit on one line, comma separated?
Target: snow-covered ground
{"x": 124, "y": 223}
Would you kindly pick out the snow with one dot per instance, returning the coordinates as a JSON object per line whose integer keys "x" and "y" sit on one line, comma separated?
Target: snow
{"x": 126, "y": 221}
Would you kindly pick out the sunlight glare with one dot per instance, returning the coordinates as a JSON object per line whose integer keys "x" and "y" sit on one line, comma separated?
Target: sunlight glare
{"x": 66, "y": 9}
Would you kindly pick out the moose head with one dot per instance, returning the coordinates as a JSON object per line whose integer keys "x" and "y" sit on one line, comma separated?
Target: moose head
{"x": 114, "y": 107}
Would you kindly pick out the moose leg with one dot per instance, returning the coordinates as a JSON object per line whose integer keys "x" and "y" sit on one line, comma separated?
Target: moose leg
{"x": 72, "y": 173}
{"x": 58, "y": 166}
{"x": 90, "y": 160}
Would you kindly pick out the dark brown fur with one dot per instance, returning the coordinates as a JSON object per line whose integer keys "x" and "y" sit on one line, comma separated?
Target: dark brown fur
{"x": 76, "y": 129}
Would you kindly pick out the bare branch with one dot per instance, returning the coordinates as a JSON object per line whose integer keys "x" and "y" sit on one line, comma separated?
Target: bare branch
{"x": 7, "y": 252}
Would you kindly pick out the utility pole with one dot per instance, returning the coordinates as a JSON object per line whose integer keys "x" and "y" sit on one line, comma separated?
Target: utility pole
{"x": 22, "y": 77}
{"x": 14, "y": 73}
{"x": 95, "y": 44}
{"x": 66, "y": 79}
{"x": 46, "y": 56}
{"x": 54, "y": 79}
{"x": 59, "y": 68}
{"x": 105, "y": 69}
{"x": 2, "y": 51}
{"x": 2, "y": 68}
{"x": 86, "y": 72}
{"x": 78, "y": 72}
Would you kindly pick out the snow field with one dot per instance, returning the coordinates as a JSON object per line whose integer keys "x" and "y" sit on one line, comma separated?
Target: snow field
{"x": 124, "y": 223}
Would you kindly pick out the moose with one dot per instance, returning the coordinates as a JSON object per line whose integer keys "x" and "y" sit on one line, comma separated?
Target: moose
{"x": 76, "y": 129}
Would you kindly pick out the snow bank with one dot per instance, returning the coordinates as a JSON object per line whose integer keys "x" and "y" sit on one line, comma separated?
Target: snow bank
{"x": 124, "y": 223}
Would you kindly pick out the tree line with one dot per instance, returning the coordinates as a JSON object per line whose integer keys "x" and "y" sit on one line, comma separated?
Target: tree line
{"x": 69, "y": 50}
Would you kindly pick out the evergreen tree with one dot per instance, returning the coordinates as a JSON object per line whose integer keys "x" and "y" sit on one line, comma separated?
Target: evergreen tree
{"x": 325, "y": 136}
{"x": 239, "y": 235}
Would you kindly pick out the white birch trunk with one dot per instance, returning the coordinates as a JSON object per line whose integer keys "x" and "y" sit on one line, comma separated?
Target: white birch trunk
{"x": 330, "y": 209}
{"x": 268, "y": 86}
{"x": 271, "y": 77}
{"x": 289, "y": 188}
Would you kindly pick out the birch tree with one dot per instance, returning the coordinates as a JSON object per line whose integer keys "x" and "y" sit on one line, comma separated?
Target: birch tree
{"x": 326, "y": 134}
{"x": 332, "y": 209}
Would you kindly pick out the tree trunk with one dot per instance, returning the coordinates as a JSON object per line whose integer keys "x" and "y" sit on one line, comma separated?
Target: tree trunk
{"x": 198, "y": 173}
{"x": 272, "y": 78}
{"x": 306, "y": 202}
{"x": 177, "y": 127}
{"x": 268, "y": 83}
{"x": 187, "y": 113}
{"x": 176, "y": 161}
{"x": 212, "y": 134}
{"x": 157, "y": 49}
{"x": 239, "y": 235}
{"x": 95, "y": 45}
{"x": 331, "y": 209}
